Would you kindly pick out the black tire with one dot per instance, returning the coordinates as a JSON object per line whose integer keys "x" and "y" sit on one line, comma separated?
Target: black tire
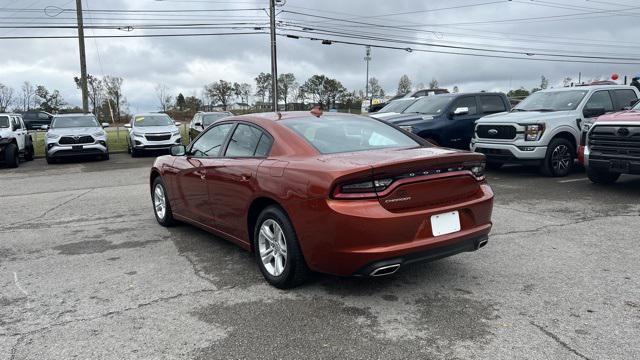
{"x": 602, "y": 177}
{"x": 28, "y": 152}
{"x": 167, "y": 219}
{"x": 559, "y": 159}
{"x": 295, "y": 270}
{"x": 134, "y": 153}
{"x": 494, "y": 165}
{"x": 50, "y": 160}
{"x": 105, "y": 156}
{"x": 11, "y": 158}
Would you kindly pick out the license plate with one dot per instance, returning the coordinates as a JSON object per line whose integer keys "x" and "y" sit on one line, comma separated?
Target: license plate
{"x": 619, "y": 165}
{"x": 446, "y": 223}
{"x": 77, "y": 147}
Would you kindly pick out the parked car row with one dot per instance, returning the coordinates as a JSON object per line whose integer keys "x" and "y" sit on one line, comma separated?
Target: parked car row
{"x": 547, "y": 129}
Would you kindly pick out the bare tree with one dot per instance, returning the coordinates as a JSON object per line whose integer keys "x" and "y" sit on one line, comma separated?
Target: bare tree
{"x": 433, "y": 84}
{"x": 113, "y": 89}
{"x": 163, "y": 96}
{"x": 28, "y": 92}
{"x": 6, "y": 97}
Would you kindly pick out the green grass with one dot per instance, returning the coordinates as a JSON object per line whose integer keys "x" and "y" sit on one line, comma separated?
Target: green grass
{"x": 115, "y": 144}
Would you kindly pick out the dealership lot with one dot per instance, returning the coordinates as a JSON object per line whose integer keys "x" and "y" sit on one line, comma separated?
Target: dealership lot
{"x": 86, "y": 272}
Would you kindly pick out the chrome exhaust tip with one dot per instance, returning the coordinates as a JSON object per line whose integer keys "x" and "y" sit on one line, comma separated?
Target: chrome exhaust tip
{"x": 481, "y": 243}
{"x": 385, "y": 270}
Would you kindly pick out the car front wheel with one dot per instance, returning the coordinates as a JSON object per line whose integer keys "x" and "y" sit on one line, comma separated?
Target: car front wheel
{"x": 277, "y": 250}
{"x": 11, "y": 157}
{"x": 558, "y": 161}
{"x": 161, "y": 205}
{"x": 602, "y": 177}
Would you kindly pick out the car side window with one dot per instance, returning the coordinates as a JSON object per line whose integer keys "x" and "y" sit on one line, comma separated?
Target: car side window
{"x": 16, "y": 123}
{"x": 244, "y": 142}
{"x": 624, "y": 98}
{"x": 492, "y": 104}
{"x": 468, "y": 102}
{"x": 210, "y": 143}
{"x": 600, "y": 99}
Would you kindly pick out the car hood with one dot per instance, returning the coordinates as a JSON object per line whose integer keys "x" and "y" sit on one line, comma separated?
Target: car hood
{"x": 384, "y": 116}
{"x": 75, "y": 131}
{"x": 155, "y": 129}
{"x": 626, "y": 116}
{"x": 524, "y": 117}
{"x": 408, "y": 119}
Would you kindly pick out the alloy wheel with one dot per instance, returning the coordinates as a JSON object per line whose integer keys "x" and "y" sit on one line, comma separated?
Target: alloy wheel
{"x": 159, "y": 201}
{"x": 561, "y": 158}
{"x": 272, "y": 246}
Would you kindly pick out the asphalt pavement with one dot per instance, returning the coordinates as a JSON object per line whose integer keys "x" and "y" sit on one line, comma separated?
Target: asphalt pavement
{"x": 87, "y": 273}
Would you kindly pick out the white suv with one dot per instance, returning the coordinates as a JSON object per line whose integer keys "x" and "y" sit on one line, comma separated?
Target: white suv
{"x": 73, "y": 135}
{"x": 153, "y": 131}
{"x": 545, "y": 128}
{"x": 14, "y": 140}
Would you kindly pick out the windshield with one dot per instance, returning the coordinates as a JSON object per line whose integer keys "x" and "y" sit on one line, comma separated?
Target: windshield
{"x": 397, "y": 106}
{"x": 552, "y": 101}
{"x": 153, "y": 120}
{"x": 4, "y": 122}
{"x": 211, "y": 118}
{"x": 74, "y": 122}
{"x": 338, "y": 134}
{"x": 430, "y": 105}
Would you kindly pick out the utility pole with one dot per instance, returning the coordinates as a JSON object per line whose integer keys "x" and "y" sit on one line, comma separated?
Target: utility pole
{"x": 367, "y": 58}
{"x": 274, "y": 58}
{"x": 83, "y": 59}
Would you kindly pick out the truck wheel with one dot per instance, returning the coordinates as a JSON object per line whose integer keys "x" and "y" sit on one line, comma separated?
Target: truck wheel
{"x": 558, "y": 161}
{"x": 602, "y": 177}
{"x": 11, "y": 156}
{"x": 28, "y": 153}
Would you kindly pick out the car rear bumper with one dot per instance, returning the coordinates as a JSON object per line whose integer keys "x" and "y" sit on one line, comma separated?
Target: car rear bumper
{"x": 349, "y": 237}
{"x": 509, "y": 153}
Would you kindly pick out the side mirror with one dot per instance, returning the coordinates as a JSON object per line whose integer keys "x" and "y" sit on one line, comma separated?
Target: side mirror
{"x": 177, "y": 123}
{"x": 44, "y": 127}
{"x": 461, "y": 111}
{"x": 128, "y": 126}
{"x": 198, "y": 124}
{"x": 178, "y": 150}
{"x": 593, "y": 112}
{"x": 105, "y": 125}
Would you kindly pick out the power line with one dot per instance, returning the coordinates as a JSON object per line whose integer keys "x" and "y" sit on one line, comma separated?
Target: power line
{"x": 408, "y": 49}
{"x": 126, "y": 36}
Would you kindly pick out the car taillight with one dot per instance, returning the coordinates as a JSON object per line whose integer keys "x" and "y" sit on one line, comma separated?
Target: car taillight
{"x": 361, "y": 190}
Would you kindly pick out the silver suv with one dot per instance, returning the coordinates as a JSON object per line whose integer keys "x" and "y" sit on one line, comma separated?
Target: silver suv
{"x": 75, "y": 135}
{"x": 153, "y": 131}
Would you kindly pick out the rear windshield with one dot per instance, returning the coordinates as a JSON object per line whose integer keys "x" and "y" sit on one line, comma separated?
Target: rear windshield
{"x": 4, "y": 121}
{"x": 74, "y": 121}
{"x": 153, "y": 120}
{"x": 209, "y": 119}
{"x": 337, "y": 134}
{"x": 430, "y": 105}
{"x": 397, "y": 106}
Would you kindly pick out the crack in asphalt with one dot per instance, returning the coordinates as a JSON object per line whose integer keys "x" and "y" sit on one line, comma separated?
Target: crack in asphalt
{"x": 80, "y": 222}
{"x": 112, "y": 313}
{"x": 580, "y": 221}
{"x": 72, "y": 190}
{"x": 14, "y": 348}
{"x": 559, "y": 341}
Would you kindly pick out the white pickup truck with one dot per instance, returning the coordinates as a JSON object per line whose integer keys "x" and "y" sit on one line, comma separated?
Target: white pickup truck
{"x": 545, "y": 128}
{"x": 14, "y": 140}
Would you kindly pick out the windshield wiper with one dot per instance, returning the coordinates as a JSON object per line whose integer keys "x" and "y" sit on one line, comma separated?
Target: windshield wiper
{"x": 515, "y": 109}
{"x": 544, "y": 110}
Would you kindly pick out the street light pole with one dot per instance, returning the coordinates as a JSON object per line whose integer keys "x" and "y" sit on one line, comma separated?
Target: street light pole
{"x": 367, "y": 58}
{"x": 83, "y": 59}
{"x": 274, "y": 58}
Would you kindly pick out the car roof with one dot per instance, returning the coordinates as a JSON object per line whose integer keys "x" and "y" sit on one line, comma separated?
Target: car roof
{"x": 213, "y": 112}
{"x": 589, "y": 87}
{"x": 73, "y": 115}
{"x": 9, "y": 114}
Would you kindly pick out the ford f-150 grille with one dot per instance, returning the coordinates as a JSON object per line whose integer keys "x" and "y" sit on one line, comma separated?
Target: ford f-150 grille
{"x": 158, "y": 137}
{"x": 504, "y": 132}
{"x": 72, "y": 140}
{"x": 619, "y": 141}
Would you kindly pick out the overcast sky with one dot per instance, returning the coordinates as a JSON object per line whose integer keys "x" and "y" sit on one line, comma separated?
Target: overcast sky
{"x": 576, "y": 27}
